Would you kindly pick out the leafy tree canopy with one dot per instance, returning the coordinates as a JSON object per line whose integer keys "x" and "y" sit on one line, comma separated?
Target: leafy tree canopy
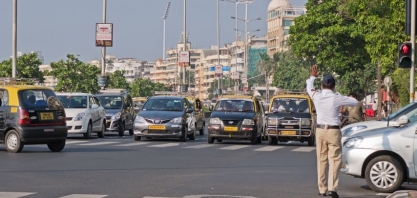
{"x": 27, "y": 66}
{"x": 143, "y": 87}
{"x": 117, "y": 80}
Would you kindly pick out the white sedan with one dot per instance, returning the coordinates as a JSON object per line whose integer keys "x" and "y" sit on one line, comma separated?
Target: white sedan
{"x": 84, "y": 114}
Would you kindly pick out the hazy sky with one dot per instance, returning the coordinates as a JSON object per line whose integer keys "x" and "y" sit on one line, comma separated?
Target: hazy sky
{"x": 61, "y": 27}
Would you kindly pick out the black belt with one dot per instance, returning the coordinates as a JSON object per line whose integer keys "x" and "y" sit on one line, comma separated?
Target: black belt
{"x": 323, "y": 126}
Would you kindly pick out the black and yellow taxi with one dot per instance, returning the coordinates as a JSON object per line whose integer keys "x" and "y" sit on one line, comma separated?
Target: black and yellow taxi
{"x": 200, "y": 119}
{"x": 291, "y": 117}
{"x": 236, "y": 117}
{"x": 31, "y": 115}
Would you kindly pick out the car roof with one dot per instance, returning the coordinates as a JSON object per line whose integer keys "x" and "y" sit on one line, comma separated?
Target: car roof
{"x": 24, "y": 87}
{"x": 291, "y": 96}
{"x": 73, "y": 94}
{"x": 168, "y": 97}
{"x": 236, "y": 97}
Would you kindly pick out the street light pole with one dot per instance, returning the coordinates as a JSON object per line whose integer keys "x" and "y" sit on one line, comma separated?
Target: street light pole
{"x": 103, "y": 49}
{"x": 165, "y": 17}
{"x": 218, "y": 43}
{"x": 413, "y": 44}
{"x": 14, "y": 39}
{"x": 185, "y": 38}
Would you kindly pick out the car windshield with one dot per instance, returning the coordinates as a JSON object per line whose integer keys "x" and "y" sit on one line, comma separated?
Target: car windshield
{"x": 70, "y": 101}
{"x": 111, "y": 102}
{"x": 410, "y": 110}
{"x": 236, "y": 105}
{"x": 163, "y": 104}
{"x": 290, "y": 105}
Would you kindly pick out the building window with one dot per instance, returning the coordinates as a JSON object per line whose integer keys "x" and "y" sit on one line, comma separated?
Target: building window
{"x": 286, "y": 23}
{"x": 286, "y": 32}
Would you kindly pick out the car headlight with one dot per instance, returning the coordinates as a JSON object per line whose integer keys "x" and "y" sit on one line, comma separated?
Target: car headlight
{"x": 305, "y": 121}
{"x": 79, "y": 116}
{"x": 140, "y": 119}
{"x": 248, "y": 122}
{"x": 353, "y": 142}
{"x": 214, "y": 121}
{"x": 116, "y": 116}
{"x": 177, "y": 120}
{"x": 350, "y": 130}
{"x": 272, "y": 121}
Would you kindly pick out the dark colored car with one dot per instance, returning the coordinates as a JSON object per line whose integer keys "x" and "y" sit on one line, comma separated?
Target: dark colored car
{"x": 120, "y": 113}
{"x": 236, "y": 117}
{"x": 31, "y": 115}
{"x": 165, "y": 117}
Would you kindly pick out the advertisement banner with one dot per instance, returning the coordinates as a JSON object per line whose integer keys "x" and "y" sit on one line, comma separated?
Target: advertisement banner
{"x": 104, "y": 34}
{"x": 184, "y": 58}
{"x": 218, "y": 70}
{"x": 235, "y": 75}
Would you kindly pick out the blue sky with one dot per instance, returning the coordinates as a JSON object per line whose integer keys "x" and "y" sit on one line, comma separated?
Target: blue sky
{"x": 61, "y": 27}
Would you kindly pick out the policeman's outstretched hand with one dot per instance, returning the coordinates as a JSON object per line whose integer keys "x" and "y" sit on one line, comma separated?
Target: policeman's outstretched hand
{"x": 314, "y": 71}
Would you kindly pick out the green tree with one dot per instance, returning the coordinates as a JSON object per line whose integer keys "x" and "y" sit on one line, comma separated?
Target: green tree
{"x": 292, "y": 71}
{"x": 117, "y": 80}
{"x": 143, "y": 87}
{"x": 27, "y": 66}
{"x": 267, "y": 65}
{"x": 360, "y": 81}
{"x": 74, "y": 76}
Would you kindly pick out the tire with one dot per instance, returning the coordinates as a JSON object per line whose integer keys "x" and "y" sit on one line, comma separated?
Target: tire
{"x": 132, "y": 130}
{"x": 254, "y": 138}
{"x": 103, "y": 130}
{"x": 122, "y": 129}
{"x": 272, "y": 140}
{"x": 394, "y": 169}
{"x": 137, "y": 138}
{"x": 12, "y": 142}
{"x": 149, "y": 138}
{"x": 311, "y": 140}
{"x": 192, "y": 136}
{"x": 56, "y": 146}
{"x": 210, "y": 140}
{"x": 264, "y": 137}
{"x": 259, "y": 139}
{"x": 202, "y": 129}
{"x": 183, "y": 137}
{"x": 219, "y": 140}
{"x": 87, "y": 135}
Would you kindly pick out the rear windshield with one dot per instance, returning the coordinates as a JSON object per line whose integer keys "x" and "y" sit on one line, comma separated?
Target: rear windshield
{"x": 38, "y": 98}
{"x": 111, "y": 102}
{"x": 235, "y": 105}
{"x": 290, "y": 105}
{"x": 73, "y": 101}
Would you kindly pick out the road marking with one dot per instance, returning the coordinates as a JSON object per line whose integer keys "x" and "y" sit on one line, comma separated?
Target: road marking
{"x": 14, "y": 194}
{"x": 235, "y": 147}
{"x": 200, "y": 146}
{"x": 383, "y": 194}
{"x": 269, "y": 148}
{"x": 99, "y": 143}
{"x": 75, "y": 142}
{"x": 165, "y": 145}
{"x": 304, "y": 149}
{"x": 83, "y": 196}
{"x": 133, "y": 144}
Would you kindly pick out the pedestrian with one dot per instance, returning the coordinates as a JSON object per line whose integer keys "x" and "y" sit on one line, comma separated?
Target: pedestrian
{"x": 328, "y": 135}
{"x": 356, "y": 113}
{"x": 375, "y": 108}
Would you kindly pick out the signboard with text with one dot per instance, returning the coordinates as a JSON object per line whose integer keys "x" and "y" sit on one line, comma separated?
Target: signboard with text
{"x": 104, "y": 34}
{"x": 235, "y": 75}
{"x": 184, "y": 58}
{"x": 218, "y": 70}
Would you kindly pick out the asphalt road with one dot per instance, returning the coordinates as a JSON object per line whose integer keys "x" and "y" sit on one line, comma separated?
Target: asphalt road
{"x": 120, "y": 167}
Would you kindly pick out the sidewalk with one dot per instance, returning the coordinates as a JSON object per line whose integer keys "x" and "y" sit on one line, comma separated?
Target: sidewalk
{"x": 403, "y": 194}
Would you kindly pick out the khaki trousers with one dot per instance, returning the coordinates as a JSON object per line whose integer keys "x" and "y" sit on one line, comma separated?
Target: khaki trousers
{"x": 328, "y": 143}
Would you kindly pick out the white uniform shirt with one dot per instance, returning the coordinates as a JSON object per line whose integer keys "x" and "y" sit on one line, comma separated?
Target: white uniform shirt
{"x": 328, "y": 103}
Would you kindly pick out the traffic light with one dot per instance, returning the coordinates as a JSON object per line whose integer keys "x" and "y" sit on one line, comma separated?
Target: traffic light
{"x": 404, "y": 55}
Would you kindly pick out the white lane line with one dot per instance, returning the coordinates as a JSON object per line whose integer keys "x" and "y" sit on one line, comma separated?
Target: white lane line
{"x": 235, "y": 147}
{"x": 383, "y": 194}
{"x": 83, "y": 196}
{"x": 269, "y": 148}
{"x": 200, "y": 146}
{"x": 15, "y": 194}
{"x": 133, "y": 144}
{"x": 165, "y": 145}
{"x": 74, "y": 142}
{"x": 99, "y": 143}
{"x": 304, "y": 149}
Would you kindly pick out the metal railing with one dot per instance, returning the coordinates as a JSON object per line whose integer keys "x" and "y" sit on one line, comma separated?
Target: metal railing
{"x": 18, "y": 81}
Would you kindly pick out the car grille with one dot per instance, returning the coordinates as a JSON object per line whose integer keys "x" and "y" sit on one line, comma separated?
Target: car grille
{"x": 231, "y": 122}
{"x": 108, "y": 117}
{"x": 68, "y": 118}
{"x": 159, "y": 132}
{"x": 289, "y": 122}
{"x": 69, "y": 127}
{"x": 155, "y": 121}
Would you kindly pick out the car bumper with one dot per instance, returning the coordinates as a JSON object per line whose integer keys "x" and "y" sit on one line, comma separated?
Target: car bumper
{"x": 42, "y": 134}
{"x": 112, "y": 125}
{"x": 277, "y": 132}
{"x": 76, "y": 127}
{"x": 353, "y": 159}
{"x": 167, "y": 131}
{"x": 243, "y": 132}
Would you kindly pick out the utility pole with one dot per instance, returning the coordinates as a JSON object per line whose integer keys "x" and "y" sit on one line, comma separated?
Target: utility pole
{"x": 165, "y": 17}
{"x": 236, "y": 13}
{"x": 14, "y": 39}
{"x": 103, "y": 49}
{"x": 413, "y": 45}
{"x": 185, "y": 38}
{"x": 218, "y": 44}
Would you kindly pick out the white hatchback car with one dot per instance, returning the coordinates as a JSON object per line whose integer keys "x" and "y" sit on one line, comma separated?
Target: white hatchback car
{"x": 85, "y": 114}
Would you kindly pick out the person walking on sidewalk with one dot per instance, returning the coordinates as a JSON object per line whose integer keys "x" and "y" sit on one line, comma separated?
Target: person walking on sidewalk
{"x": 328, "y": 135}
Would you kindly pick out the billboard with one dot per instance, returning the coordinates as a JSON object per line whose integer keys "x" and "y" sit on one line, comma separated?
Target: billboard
{"x": 218, "y": 71}
{"x": 235, "y": 75}
{"x": 104, "y": 34}
{"x": 184, "y": 58}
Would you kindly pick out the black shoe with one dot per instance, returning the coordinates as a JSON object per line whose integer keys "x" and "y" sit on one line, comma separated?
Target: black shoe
{"x": 333, "y": 194}
{"x": 322, "y": 194}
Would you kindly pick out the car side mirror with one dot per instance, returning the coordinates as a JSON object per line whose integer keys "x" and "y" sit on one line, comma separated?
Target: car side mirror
{"x": 401, "y": 121}
{"x": 94, "y": 106}
{"x": 190, "y": 110}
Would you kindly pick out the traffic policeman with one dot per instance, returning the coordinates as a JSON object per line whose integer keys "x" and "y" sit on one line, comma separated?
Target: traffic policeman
{"x": 328, "y": 135}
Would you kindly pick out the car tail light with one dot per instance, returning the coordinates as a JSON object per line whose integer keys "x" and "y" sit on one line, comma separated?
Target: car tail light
{"x": 23, "y": 117}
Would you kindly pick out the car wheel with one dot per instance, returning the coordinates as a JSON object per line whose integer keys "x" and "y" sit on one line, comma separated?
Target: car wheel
{"x": 272, "y": 140}
{"x": 219, "y": 140}
{"x": 137, "y": 138}
{"x": 192, "y": 135}
{"x": 149, "y": 138}
{"x": 311, "y": 140}
{"x": 56, "y": 146}
{"x": 264, "y": 136}
{"x": 254, "y": 138}
{"x": 210, "y": 140}
{"x": 13, "y": 143}
{"x": 103, "y": 130}
{"x": 87, "y": 135}
{"x": 122, "y": 129}
{"x": 202, "y": 129}
{"x": 132, "y": 130}
{"x": 384, "y": 174}
{"x": 183, "y": 137}
{"x": 259, "y": 139}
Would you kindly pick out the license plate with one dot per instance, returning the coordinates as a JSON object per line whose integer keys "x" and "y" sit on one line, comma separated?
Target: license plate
{"x": 47, "y": 116}
{"x": 288, "y": 133}
{"x": 157, "y": 127}
{"x": 230, "y": 129}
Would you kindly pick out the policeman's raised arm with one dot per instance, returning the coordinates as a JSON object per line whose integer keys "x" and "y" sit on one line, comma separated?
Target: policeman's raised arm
{"x": 348, "y": 101}
{"x": 310, "y": 82}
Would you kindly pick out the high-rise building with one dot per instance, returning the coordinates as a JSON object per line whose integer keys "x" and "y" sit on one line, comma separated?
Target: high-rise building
{"x": 281, "y": 15}
{"x": 256, "y": 46}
